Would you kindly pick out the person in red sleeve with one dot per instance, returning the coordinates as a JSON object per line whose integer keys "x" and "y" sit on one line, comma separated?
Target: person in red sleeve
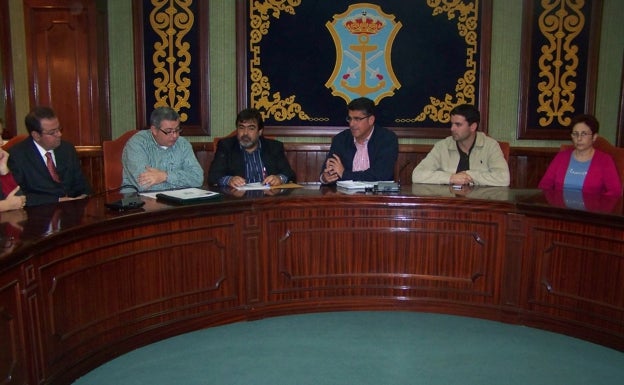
{"x": 10, "y": 200}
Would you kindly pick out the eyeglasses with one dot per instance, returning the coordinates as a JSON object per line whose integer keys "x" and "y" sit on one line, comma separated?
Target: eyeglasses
{"x": 177, "y": 132}
{"x": 54, "y": 132}
{"x": 356, "y": 119}
{"x": 580, "y": 134}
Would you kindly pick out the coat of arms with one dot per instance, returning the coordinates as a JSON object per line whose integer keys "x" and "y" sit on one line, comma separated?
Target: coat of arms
{"x": 363, "y": 37}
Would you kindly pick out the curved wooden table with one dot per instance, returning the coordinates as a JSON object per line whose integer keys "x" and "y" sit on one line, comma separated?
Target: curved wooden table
{"x": 108, "y": 282}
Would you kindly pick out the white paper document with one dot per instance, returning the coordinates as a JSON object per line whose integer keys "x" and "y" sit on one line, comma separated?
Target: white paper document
{"x": 254, "y": 186}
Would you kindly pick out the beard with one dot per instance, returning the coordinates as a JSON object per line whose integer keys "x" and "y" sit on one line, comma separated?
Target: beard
{"x": 246, "y": 142}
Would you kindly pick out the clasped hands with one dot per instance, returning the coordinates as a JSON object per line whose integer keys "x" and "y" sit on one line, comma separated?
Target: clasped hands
{"x": 461, "y": 178}
{"x": 151, "y": 176}
{"x": 333, "y": 169}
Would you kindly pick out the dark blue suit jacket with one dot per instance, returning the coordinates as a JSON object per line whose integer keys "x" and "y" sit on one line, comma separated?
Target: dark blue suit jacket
{"x": 31, "y": 173}
{"x": 229, "y": 160}
{"x": 383, "y": 151}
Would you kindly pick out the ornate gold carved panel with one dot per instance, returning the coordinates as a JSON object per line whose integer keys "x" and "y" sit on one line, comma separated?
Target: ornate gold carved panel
{"x": 172, "y": 61}
{"x": 559, "y": 65}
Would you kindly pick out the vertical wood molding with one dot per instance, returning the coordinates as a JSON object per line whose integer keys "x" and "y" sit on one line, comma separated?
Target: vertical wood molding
{"x": 619, "y": 140}
{"x": 6, "y": 68}
{"x": 63, "y": 55}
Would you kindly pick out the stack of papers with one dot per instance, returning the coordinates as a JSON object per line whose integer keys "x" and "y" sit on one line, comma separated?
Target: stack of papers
{"x": 351, "y": 185}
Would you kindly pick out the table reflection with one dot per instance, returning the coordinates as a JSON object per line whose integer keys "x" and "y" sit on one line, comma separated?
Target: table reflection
{"x": 475, "y": 192}
{"x": 45, "y": 220}
{"x": 254, "y": 193}
{"x": 578, "y": 200}
{"x": 11, "y": 228}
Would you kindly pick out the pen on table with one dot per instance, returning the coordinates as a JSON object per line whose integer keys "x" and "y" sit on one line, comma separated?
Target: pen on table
{"x": 264, "y": 176}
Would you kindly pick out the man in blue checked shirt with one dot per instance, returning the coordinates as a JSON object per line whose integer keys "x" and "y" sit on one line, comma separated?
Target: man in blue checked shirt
{"x": 159, "y": 158}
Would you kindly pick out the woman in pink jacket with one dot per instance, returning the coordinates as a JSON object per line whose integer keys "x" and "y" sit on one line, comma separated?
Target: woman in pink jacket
{"x": 583, "y": 167}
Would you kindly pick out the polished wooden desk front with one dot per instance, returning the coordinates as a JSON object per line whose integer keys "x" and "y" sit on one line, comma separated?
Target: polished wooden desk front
{"x": 105, "y": 282}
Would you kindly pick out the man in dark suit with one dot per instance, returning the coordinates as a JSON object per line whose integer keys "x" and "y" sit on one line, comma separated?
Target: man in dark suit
{"x": 249, "y": 157}
{"x": 46, "y": 167}
{"x": 363, "y": 152}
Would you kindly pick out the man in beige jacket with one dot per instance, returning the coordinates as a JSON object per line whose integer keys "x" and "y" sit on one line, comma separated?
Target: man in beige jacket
{"x": 467, "y": 157}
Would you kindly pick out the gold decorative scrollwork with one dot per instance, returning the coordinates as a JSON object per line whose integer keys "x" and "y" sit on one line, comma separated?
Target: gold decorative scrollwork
{"x": 172, "y": 20}
{"x": 272, "y": 104}
{"x": 467, "y": 14}
{"x": 560, "y": 23}
{"x": 261, "y": 98}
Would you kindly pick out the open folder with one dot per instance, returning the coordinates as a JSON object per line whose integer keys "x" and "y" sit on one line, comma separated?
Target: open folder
{"x": 187, "y": 196}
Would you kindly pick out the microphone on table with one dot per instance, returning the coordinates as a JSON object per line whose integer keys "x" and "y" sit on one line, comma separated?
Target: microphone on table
{"x": 129, "y": 201}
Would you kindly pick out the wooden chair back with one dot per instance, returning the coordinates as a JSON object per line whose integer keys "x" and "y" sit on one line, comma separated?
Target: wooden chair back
{"x": 14, "y": 140}
{"x": 113, "y": 169}
{"x": 216, "y": 139}
{"x": 504, "y": 146}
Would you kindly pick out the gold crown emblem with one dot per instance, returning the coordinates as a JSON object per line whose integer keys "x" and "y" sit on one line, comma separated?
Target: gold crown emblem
{"x": 364, "y": 24}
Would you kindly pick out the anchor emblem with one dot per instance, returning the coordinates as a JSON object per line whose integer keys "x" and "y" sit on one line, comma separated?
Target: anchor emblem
{"x": 367, "y": 33}
{"x": 363, "y": 48}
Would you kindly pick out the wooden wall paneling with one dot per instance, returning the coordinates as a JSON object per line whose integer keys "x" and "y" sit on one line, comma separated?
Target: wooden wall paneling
{"x": 146, "y": 277}
{"x": 568, "y": 271}
{"x": 306, "y": 159}
{"x": 37, "y": 366}
{"x": 512, "y": 261}
{"x": 345, "y": 252}
{"x": 6, "y": 70}
{"x": 92, "y": 164}
{"x": 13, "y": 364}
{"x": 619, "y": 135}
{"x": 64, "y": 71}
{"x": 527, "y": 165}
{"x": 112, "y": 282}
{"x": 104, "y": 111}
{"x": 409, "y": 157}
{"x": 204, "y": 153}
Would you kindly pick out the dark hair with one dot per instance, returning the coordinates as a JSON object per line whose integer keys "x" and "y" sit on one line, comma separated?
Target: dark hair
{"x": 590, "y": 120}
{"x": 33, "y": 119}
{"x": 250, "y": 114}
{"x": 163, "y": 113}
{"x": 362, "y": 104}
{"x": 468, "y": 111}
